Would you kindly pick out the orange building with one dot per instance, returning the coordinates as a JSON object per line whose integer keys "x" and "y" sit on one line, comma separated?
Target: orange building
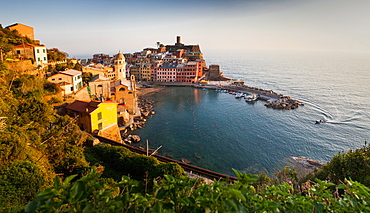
{"x": 22, "y": 29}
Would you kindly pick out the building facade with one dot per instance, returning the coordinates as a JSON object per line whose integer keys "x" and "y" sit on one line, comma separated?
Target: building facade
{"x": 23, "y": 30}
{"x": 37, "y": 52}
{"x": 73, "y": 78}
{"x": 94, "y": 115}
{"x": 120, "y": 67}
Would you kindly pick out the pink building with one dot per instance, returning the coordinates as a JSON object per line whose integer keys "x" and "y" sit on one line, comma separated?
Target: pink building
{"x": 166, "y": 72}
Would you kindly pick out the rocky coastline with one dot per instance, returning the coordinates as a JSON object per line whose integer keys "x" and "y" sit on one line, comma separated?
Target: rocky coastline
{"x": 284, "y": 103}
{"x": 146, "y": 108}
{"x": 273, "y": 100}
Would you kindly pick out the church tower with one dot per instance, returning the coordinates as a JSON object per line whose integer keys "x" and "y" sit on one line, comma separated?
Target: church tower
{"x": 120, "y": 66}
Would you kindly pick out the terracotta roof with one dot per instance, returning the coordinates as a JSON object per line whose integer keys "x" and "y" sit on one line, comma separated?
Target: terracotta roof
{"x": 17, "y": 24}
{"x": 83, "y": 106}
{"x": 28, "y": 45}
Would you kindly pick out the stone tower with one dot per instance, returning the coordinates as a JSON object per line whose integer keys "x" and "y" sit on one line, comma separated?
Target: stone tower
{"x": 120, "y": 66}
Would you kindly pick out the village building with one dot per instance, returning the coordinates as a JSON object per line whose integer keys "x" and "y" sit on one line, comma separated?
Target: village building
{"x": 69, "y": 80}
{"x": 99, "y": 87}
{"x": 166, "y": 72}
{"x": 96, "y": 117}
{"x": 119, "y": 67}
{"x": 124, "y": 93}
{"x": 23, "y": 30}
{"x": 37, "y": 53}
{"x": 121, "y": 91}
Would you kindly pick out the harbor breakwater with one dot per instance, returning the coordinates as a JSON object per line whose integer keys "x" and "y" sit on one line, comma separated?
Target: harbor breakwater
{"x": 273, "y": 100}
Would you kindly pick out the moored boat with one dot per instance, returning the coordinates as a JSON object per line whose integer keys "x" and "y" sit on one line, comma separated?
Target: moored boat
{"x": 251, "y": 98}
{"x": 239, "y": 95}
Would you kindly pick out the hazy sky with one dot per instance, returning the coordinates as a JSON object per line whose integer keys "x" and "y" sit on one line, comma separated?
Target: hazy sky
{"x": 86, "y": 27}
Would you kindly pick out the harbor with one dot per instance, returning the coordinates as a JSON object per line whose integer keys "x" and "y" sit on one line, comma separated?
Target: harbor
{"x": 273, "y": 100}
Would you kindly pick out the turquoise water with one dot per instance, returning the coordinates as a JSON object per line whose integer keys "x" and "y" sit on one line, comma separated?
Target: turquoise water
{"x": 218, "y": 132}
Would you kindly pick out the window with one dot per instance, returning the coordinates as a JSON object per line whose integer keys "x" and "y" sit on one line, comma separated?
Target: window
{"x": 38, "y": 59}
{"x": 18, "y": 52}
{"x": 38, "y": 51}
{"x": 44, "y": 58}
{"x": 100, "y": 126}
{"x": 43, "y": 50}
{"x": 60, "y": 79}
{"x": 100, "y": 116}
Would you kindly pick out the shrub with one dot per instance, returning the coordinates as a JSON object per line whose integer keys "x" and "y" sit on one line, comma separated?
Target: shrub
{"x": 20, "y": 182}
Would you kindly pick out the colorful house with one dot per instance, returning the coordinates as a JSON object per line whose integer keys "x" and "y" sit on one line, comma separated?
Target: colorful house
{"x": 93, "y": 116}
{"x": 71, "y": 79}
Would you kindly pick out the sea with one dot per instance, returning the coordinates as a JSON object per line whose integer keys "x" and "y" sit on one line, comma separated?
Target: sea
{"x": 218, "y": 132}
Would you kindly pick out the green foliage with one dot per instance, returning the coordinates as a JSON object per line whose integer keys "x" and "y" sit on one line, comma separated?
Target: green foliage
{"x": 120, "y": 161}
{"x": 13, "y": 145}
{"x": 287, "y": 174}
{"x": 33, "y": 140}
{"x": 20, "y": 182}
{"x": 55, "y": 55}
{"x": 34, "y": 111}
{"x": 91, "y": 194}
{"x": 354, "y": 164}
{"x": 62, "y": 145}
{"x": 51, "y": 87}
{"x": 77, "y": 66}
{"x": 86, "y": 76}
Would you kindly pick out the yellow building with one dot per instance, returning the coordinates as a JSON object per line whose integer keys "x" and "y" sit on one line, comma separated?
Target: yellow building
{"x": 93, "y": 116}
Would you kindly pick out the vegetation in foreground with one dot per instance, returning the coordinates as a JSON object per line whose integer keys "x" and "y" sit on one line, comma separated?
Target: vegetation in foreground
{"x": 91, "y": 194}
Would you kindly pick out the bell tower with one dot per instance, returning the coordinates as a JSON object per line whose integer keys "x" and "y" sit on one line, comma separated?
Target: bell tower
{"x": 120, "y": 66}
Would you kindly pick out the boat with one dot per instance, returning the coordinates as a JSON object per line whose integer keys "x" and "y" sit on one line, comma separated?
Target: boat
{"x": 251, "y": 98}
{"x": 239, "y": 95}
{"x": 320, "y": 121}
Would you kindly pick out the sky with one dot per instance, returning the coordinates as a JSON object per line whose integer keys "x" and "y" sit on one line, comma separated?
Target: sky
{"x": 86, "y": 27}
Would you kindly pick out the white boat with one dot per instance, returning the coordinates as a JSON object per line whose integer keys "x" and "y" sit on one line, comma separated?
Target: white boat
{"x": 239, "y": 95}
{"x": 251, "y": 98}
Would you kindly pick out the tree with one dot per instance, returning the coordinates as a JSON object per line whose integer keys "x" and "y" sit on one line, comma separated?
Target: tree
{"x": 354, "y": 164}
{"x": 54, "y": 54}
{"x": 120, "y": 161}
{"x": 20, "y": 182}
{"x": 35, "y": 112}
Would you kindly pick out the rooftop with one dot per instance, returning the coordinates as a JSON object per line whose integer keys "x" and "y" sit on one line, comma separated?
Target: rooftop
{"x": 28, "y": 45}
{"x": 71, "y": 72}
